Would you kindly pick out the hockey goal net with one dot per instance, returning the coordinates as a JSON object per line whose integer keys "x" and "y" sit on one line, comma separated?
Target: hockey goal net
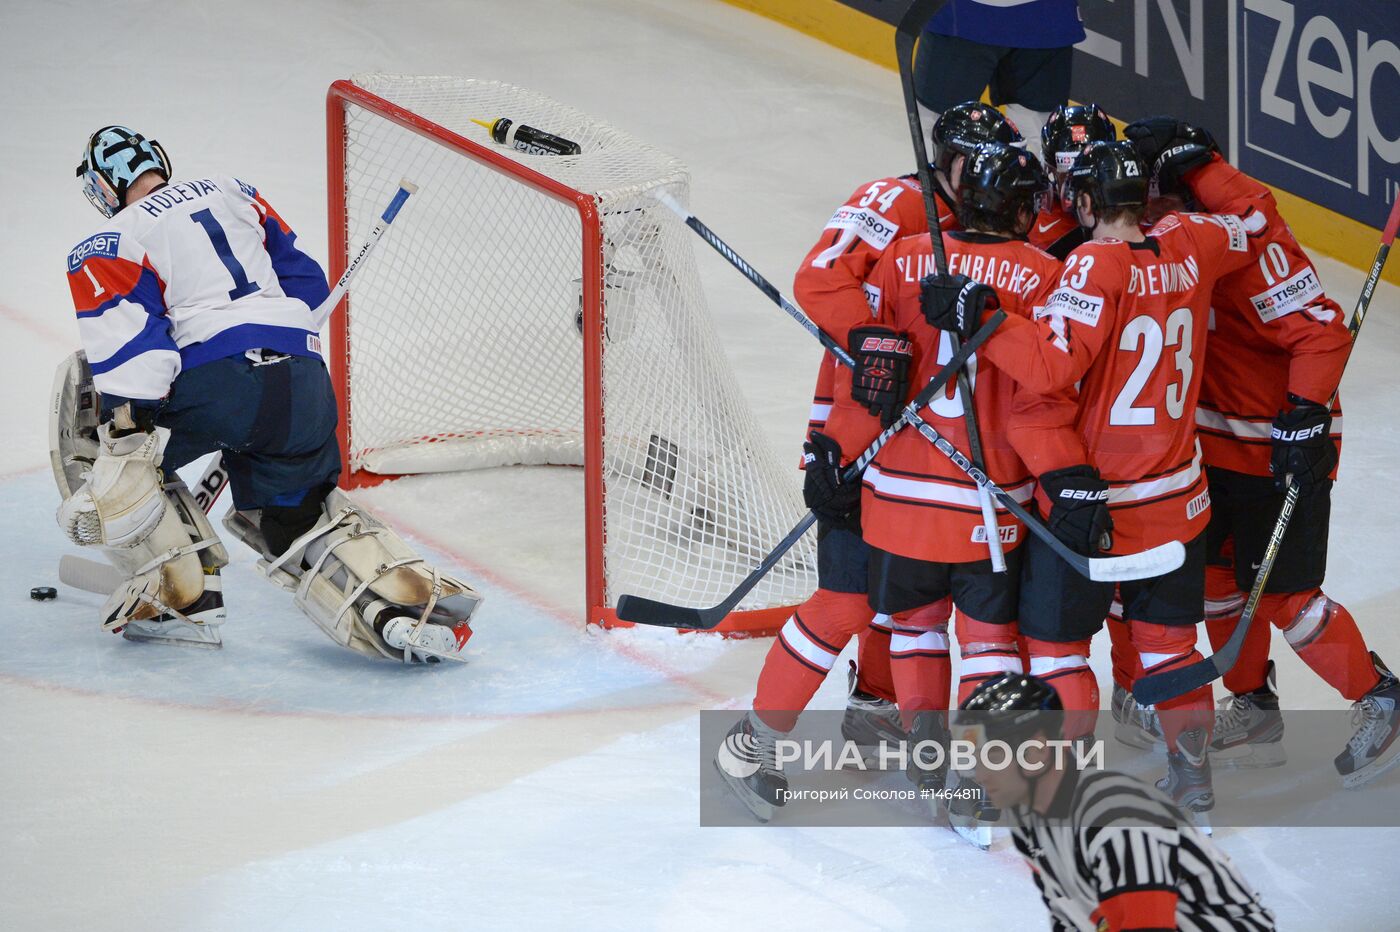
{"x": 541, "y": 309}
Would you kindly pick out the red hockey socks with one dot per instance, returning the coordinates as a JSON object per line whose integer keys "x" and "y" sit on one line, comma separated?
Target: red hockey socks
{"x": 919, "y": 661}
{"x": 803, "y": 652}
{"x": 1325, "y": 636}
{"x": 1224, "y": 603}
{"x": 1126, "y": 665}
{"x": 1166, "y": 647}
{"x": 873, "y": 660}
{"x": 1065, "y": 666}
{"x": 987, "y": 650}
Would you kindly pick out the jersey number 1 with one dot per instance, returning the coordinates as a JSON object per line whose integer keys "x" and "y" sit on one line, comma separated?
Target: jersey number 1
{"x": 217, "y": 237}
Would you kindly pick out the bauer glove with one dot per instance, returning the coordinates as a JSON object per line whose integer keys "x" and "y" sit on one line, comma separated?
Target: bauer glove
{"x": 1303, "y": 445}
{"x": 881, "y": 377}
{"x": 824, "y": 489}
{"x": 956, "y": 303}
{"x": 1079, "y": 514}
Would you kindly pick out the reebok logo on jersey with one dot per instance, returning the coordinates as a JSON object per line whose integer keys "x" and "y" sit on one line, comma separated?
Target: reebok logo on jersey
{"x": 101, "y": 244}
{"x": 1288, "y": 296}
{"x": 867, "y": 224}
{"x": 1299, "y": 435}
{"x": 1074, "y": 305}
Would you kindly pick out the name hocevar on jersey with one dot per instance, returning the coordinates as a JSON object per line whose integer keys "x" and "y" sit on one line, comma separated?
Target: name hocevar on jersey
{"x": 192, "y": 272}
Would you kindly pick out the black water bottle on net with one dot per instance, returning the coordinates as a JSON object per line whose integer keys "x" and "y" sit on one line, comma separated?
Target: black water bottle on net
{"x": 528, "y": 139}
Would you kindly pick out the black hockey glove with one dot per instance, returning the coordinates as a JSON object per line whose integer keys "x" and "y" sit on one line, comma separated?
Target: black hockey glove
{"x": 823, "y": 489}
{"x": 1303, "y": 445}
{"x": 956, "y": 303}
{"x": 1079, "y": 514}
{"x": 1170, "y": 148}
{"x": 881, "y": 377}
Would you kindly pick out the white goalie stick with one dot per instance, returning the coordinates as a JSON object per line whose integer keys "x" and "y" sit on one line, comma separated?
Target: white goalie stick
{"x": 102, "y": 578}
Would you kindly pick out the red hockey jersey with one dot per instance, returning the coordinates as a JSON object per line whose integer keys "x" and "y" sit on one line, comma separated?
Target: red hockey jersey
{"x": 1274, "y": 330}
{"x": 917, "y": 503}
{"x": 1128, "y": 324}
{"x": 830, "y": 285}
{"x": 1055, "y": 231}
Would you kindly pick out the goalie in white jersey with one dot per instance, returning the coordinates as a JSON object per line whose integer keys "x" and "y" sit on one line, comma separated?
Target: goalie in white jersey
{"x": 1108, "y": 852}
{"x": 199, "y": 315}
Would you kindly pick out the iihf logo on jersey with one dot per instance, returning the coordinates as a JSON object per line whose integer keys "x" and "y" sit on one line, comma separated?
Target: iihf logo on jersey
{"x": 739, "y": 755}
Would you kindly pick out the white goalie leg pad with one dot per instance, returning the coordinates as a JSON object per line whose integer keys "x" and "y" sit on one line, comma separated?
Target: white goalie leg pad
{"x": 362, "y": 585}
{"x": 173, "y": 592}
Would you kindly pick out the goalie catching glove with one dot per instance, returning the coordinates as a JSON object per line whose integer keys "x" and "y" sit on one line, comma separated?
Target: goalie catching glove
{"x": 1303, "y": 446}
{"x": 956, "y": 303}
{"x": 881, "y": 376}
{"x": 824, "y": 490}
{"x": 1079, "y": 514}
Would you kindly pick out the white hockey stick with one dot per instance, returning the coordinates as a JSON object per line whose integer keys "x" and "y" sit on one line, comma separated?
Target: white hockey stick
{"x": 211, "y": 484}
{"x": 95, "y": 576}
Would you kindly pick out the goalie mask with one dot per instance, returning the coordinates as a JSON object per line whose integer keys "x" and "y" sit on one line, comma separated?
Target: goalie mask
{"x": 113, "y": 158}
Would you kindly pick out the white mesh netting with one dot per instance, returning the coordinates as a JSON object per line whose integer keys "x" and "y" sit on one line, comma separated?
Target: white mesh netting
{"x": 466, "y": 344}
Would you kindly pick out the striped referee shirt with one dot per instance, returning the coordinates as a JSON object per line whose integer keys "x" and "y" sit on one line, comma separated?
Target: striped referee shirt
{"x": 1109, "y": 836}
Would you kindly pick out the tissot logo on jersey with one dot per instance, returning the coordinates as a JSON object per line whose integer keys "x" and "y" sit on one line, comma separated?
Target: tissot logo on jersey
{"x": 102, "y": 244}
{"x": 1288, "y": 296}
{"x": 1076, "y": 305}
{"x": 867, "y": 224}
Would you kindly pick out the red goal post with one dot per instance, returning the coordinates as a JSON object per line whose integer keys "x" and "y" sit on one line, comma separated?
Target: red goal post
{"x": 630, "y": 496}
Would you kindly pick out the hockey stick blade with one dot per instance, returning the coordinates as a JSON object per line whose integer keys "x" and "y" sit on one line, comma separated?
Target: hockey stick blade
{"x": 1142, "y": 565}
{"x": 88, "y": 575}
{"x": 643, "y": 611}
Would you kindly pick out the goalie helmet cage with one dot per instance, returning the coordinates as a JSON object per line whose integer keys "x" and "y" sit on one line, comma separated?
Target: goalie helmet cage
{"x": 543, "y": 309}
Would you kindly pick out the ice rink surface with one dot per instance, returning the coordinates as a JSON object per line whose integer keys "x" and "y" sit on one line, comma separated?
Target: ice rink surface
{"x": 284, "y": 784}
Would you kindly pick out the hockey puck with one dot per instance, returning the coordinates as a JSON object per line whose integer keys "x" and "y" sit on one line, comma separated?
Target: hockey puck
{"x": 43, "y": 593}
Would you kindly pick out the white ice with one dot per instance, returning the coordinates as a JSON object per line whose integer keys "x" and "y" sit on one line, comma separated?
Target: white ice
{"x": 281, "y": 784}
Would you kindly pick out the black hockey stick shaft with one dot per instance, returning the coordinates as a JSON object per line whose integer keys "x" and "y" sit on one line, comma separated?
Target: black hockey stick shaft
{"x": 906, "y": 37}
{"x": 1169, "y": 684}
{"x": 754, "y": 276}
{"x": 646, "y": 611}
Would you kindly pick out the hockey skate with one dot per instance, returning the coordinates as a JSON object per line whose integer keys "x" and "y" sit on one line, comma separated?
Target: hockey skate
{"x": 1188, "y": 779}
{"x": 747, "y": 760}
{"x": 870, "y": 721}
{"x": 1249, "y": 729}
{"x": 970, "y": 813}
{"x": 929, "y": 728}
{"x": 1373, "y": 749}
{"x": 196, "y": 625}
{"x": 1135, "y": 725}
